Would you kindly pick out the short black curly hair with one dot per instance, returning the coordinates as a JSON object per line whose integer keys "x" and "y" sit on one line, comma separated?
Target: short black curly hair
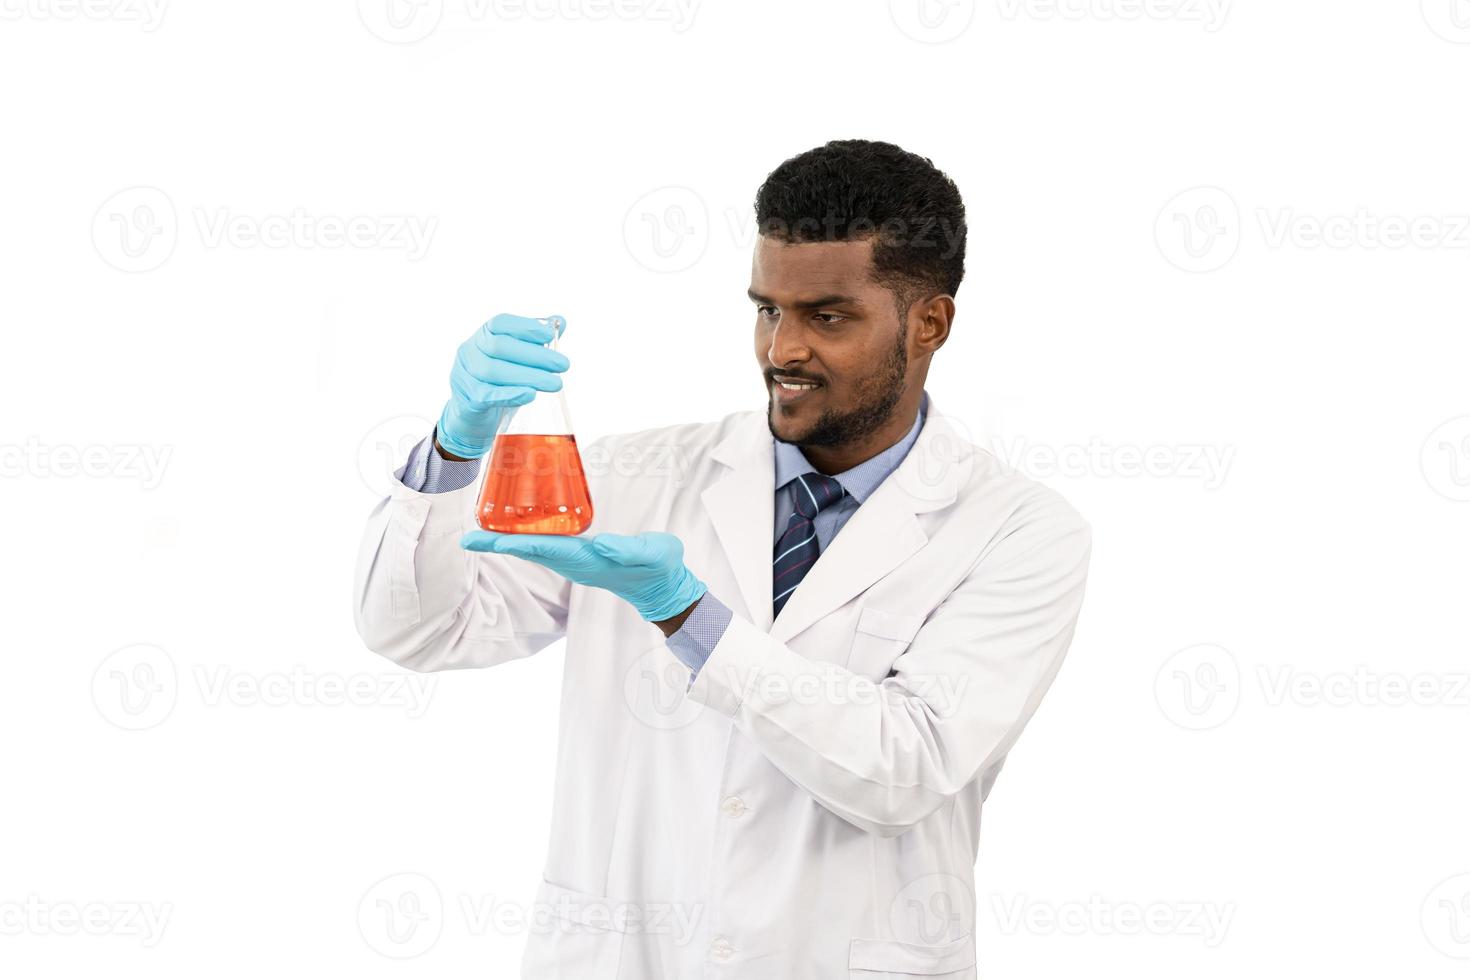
{"x": 849, "y": 190}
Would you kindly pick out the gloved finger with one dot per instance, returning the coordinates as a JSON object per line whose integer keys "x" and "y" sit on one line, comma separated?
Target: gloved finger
{"x": 475, "y": 405}
{"x": 479, "y": 396}
{"x": 523, "y": 327}
{"x": 472, "y": 365}
{"x": 630, "y": 549}
{"x": 513, "y": 350}
{"x": 551, "y": 547}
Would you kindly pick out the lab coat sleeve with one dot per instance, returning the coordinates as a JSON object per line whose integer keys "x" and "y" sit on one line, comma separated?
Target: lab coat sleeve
{"x": 885, "y": 754}
{"x": 424, "y": 602}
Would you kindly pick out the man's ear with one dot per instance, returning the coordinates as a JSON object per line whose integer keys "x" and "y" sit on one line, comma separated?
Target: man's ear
{"x": 931, "y": 319}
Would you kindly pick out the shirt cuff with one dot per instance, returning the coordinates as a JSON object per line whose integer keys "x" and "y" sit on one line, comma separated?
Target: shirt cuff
{"x": 695, "y": 640}
{"x": 428, "y": 472}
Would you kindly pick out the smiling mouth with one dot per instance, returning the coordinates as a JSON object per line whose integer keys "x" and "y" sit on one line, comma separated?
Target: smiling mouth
{"x": 787, "y": 393}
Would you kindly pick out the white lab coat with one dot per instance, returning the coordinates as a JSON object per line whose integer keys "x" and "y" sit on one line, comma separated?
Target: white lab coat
{"x": 809, "y": 809}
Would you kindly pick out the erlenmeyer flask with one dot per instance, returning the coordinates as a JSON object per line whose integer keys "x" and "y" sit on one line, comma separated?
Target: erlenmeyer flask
{"x": 534, "y": 483}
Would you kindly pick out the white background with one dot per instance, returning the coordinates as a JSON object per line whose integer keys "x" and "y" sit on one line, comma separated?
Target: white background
{"x": 1258, "y": 741}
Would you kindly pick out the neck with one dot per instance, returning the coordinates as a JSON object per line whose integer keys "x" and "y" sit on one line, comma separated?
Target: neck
{"x": 831, "y": 460}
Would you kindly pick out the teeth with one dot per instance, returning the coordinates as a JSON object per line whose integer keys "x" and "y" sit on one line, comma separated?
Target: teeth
{"x": 794, "y": 387}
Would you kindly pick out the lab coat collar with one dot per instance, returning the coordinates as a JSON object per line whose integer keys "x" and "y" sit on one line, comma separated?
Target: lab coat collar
{"x": 881, "y": 534}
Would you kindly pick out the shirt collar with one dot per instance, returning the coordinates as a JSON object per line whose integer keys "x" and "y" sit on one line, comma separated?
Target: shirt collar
{"x": 861, "y": 480}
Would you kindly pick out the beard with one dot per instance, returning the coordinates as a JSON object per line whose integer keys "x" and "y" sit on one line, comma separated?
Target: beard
{"x": 835, "y": 428}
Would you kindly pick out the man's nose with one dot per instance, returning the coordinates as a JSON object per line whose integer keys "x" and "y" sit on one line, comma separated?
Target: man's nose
{"x": 788, "y": 343}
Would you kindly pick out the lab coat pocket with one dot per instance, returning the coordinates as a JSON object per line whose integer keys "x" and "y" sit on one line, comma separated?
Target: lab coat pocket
{"x": 574, "y": 935}
{"x": 881, "y": 636}
{"x": 885, "y": 959}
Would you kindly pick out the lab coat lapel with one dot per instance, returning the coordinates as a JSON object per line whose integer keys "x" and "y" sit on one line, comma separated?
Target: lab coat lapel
{"x": 742, "y": 508}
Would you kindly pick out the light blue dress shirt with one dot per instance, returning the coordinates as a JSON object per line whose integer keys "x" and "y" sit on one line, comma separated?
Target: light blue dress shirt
{"x": 693, "y": 642}
{"x": 428, "y": 472}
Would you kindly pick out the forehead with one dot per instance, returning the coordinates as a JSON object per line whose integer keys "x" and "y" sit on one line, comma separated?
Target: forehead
{"x": 804, "y": 267}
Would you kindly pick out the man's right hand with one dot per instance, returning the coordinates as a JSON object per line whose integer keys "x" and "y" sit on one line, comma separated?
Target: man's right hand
{"x": 498, "y": 369}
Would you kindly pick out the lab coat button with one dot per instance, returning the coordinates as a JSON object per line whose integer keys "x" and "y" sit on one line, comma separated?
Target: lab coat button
{"x": 720, "y": 949}
{"x": 733, "y": 807}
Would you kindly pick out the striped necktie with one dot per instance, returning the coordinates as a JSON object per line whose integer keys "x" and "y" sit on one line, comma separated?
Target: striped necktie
{"x": 797, "y": 550}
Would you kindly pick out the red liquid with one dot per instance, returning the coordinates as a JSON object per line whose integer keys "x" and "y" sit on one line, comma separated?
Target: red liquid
{"x": 535, "y": 485}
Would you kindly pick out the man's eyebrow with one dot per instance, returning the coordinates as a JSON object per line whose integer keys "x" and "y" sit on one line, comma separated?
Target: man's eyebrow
{"x": 808, "y": 304}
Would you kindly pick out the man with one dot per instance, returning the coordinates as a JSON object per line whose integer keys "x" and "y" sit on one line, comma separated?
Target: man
{"x": 859, "y": 608}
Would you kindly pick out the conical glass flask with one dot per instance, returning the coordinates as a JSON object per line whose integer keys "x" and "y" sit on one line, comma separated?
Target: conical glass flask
{"x": 534, "y": 483}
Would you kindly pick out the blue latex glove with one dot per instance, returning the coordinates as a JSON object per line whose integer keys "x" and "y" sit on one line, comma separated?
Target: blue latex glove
{"x": 498, "y": 369}
{"x": 646, "y": 570}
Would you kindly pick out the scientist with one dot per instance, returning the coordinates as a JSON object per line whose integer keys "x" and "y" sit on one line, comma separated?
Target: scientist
{"x": 789, "y": 688}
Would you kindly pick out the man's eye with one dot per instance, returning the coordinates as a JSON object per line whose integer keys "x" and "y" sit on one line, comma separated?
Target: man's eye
{"x": 766, "y": 310}
{"x": 828, "y": 317}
